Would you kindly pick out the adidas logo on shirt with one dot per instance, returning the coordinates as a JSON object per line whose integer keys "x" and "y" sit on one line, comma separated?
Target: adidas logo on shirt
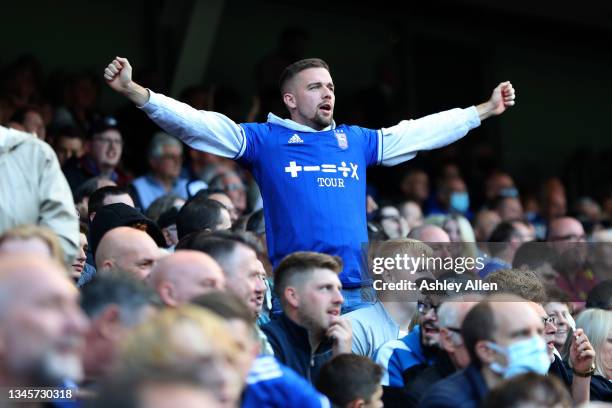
{"x": 295, "y": 139}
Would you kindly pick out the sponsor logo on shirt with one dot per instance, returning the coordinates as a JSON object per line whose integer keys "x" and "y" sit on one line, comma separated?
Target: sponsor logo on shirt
{"x": 347, "y": 171}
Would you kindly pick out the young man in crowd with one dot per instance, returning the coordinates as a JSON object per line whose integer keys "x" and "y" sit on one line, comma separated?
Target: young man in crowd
{"x": 307, "y": 167}
{"x": 310, "y": 330}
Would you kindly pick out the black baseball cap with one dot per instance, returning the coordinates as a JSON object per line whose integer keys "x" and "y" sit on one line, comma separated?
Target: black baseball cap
{"x": 103, "y": 124}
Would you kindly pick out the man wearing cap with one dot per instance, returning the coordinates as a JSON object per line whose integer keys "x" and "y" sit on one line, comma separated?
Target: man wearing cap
{"x": 104, "y": 153}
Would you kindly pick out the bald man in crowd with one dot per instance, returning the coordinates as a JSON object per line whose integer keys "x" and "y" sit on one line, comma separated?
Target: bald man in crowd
{"x": 129, "y": 250}
{"x": 42, "y": 327}
{"x": 568, "y": 239}
{"x": 184, "y": 275}
{"x": 429, "y": 233}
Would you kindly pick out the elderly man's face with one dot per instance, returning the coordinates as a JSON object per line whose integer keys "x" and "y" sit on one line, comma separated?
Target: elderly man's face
{"x": 42, "y": 329}
{"x": 168, "y": 165}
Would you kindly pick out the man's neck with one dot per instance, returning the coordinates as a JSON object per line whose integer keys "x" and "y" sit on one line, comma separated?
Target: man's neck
{"x": 400, "y": 312}
{"x": 491, "y": 378}
{"x": 106, "y": 171}
{"x": 166, "y": 182}
{"x": 315, "y": 337}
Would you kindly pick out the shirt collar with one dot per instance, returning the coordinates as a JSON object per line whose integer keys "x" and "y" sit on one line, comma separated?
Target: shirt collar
{"x": 288, "y": 123}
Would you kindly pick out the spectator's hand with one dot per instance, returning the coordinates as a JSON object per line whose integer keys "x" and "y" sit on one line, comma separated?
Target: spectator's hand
{"x": 118, "y": 75}
{"x": 342, "y": 334}
{"x": 502, "y": 98}
{"x": 582, "y": 354}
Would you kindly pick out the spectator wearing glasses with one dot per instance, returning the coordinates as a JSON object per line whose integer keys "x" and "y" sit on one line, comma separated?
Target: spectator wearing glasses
{"x": 581, "y": 357}
{"x": 454, "y": 355}
{"x": 105, "y": 148}
{"x": 392, "y": 222}
{"x": 503, "y": 336}
{"x": 165, "y": 160}
{"x": 231, "y": 184}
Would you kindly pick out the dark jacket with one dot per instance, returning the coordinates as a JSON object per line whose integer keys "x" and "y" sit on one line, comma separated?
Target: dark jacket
{"x": 292, "y": 347}
{"x": 464, "y": 389}
{"x": 417, "y": 385}
{"x": 601, "y": 388}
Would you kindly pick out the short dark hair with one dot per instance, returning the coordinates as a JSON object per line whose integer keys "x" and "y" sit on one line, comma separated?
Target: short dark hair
{"x": 96, "y": 199}
{"x": 302, "y": 262}
{"x": 120, "y": 289}
{"x": 256, "y": 223}
{"x": 503, "y": 233}
{"x": 70, "y": 132}
{"x": 529, "y": 388}
{"x": 533, "y": 255}
{"x": 292, "y": 70}
{"x": 226, "y": 305}
{"x": 86, "y": 189}
{"x": 198, "y": 214}
{"x": 220, "y": 245}
{"x": 20, "y": 114}
{"x": 348, "y": 377}
{"x": 600, "y": 296}
{"x": 479, "y": 324}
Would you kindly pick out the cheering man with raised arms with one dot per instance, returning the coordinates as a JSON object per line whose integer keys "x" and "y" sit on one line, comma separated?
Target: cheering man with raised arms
{"x": 311, "y": 172}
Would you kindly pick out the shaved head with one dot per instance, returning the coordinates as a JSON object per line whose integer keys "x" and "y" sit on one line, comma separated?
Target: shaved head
{"x": 184, "y": 275}
{"x": 125, "y": 249}
{"x": 429, "y": 233}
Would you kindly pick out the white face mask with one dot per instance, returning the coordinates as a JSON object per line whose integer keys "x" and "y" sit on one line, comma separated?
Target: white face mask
{"x": 524, "y": 356}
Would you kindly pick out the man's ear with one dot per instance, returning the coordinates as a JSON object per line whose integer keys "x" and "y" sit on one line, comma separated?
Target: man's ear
{"x": 387, "y": 276}
{"x": 109, "y": 323}
{"x": 485, "y": 354}
{"x": 358, "y": 403}
{"x": 446, "y": 343}
{"x": 289, "y": 100}
{"x": 107, "y": 265}
{"x": 166, "y": 293}
{"x": 291, "y": 297}
{"x": 152, "y": 162}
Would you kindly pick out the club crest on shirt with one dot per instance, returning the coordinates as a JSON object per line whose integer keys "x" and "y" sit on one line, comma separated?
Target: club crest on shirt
{"x": 341, "y": 138}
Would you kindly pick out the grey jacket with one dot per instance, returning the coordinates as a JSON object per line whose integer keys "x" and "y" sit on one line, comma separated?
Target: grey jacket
{"x": 33, "y": 189}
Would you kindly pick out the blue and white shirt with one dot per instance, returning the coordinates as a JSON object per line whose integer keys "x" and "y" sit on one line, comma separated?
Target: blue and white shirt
{"x": 397, "y": 356}
{"x": 270, "y": 384}
{"x": 312, "y": 182}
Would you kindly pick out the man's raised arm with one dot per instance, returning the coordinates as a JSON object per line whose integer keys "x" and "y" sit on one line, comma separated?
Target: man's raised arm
{"x": 403, "y": 141}
{"x": 207, "y": 131}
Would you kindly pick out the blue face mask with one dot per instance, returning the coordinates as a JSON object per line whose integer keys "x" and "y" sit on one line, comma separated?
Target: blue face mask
{"x": 524, "y": 356}
{"x": 460, "y": 202}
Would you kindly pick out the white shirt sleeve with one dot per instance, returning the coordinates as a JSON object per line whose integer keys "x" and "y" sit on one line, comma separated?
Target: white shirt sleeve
{"x": 210, "y": 132}
{"x": 403, "y": 141}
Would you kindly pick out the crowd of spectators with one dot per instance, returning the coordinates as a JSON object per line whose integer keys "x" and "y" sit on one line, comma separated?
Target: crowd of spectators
{"x": 151, "y": 289}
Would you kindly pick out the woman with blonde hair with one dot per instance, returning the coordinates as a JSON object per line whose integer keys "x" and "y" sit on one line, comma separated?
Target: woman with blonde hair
{"x": 597, "y": 325}
{"x": 32, "y": 239}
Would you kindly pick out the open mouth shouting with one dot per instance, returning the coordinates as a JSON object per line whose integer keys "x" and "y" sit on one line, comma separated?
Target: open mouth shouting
{"x": 326, "y": 108}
